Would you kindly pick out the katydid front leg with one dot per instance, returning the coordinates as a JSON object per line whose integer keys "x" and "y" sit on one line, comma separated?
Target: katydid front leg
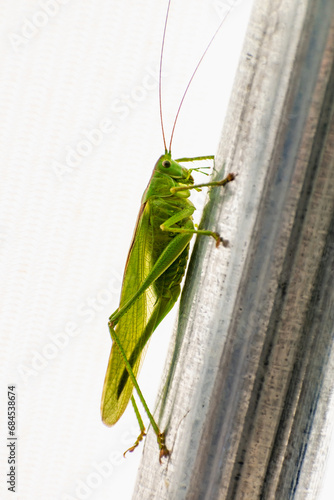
{"x": 223, "y": 182}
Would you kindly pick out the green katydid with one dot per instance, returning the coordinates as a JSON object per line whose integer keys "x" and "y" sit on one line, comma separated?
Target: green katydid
{"x": 154, "y": 269}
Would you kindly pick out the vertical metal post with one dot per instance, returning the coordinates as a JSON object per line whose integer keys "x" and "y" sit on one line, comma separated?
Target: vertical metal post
{"x": 250, "y": 372}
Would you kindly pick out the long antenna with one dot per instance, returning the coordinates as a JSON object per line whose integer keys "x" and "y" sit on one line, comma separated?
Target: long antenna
{"x": 192, "y": 77}
{"x": 160, "y": 71}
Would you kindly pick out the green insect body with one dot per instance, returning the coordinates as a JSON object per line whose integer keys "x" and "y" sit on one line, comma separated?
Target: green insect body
{"x": 149, "y": 242}
{"x": 151, "y": 285}
{"x": 154, "y": 269}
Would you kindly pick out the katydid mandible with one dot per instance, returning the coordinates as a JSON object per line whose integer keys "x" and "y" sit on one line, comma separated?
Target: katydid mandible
{"x": 154, "y": 269}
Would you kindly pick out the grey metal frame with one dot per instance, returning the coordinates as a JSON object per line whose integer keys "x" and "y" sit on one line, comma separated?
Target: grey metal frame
{"x": 250, "y": 373}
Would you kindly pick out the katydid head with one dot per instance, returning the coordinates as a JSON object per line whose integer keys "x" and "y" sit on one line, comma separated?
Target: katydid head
{"x": 167, "y": 174}
{"x": 165, "y": 165}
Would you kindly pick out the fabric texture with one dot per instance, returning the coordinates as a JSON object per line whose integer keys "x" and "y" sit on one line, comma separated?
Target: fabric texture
{"x": 80, "y": 133}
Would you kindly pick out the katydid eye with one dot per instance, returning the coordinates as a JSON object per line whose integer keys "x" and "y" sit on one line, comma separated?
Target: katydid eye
{"x": 166, "y": 164}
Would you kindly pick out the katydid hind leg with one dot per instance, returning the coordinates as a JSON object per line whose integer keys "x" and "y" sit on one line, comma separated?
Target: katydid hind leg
{"x": 162, "y": 308}
{"x": 141, "y": 342}
{"x": 165, "y": 305}
{"x": 160, "y": 435}
{"x": 167, "y": 257}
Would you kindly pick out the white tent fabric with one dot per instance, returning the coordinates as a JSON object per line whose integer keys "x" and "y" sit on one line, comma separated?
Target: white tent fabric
{"x": 79, "y": 136}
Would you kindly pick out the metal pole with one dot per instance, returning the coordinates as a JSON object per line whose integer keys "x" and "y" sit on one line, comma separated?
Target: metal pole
{"x": 250, "y": 371}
